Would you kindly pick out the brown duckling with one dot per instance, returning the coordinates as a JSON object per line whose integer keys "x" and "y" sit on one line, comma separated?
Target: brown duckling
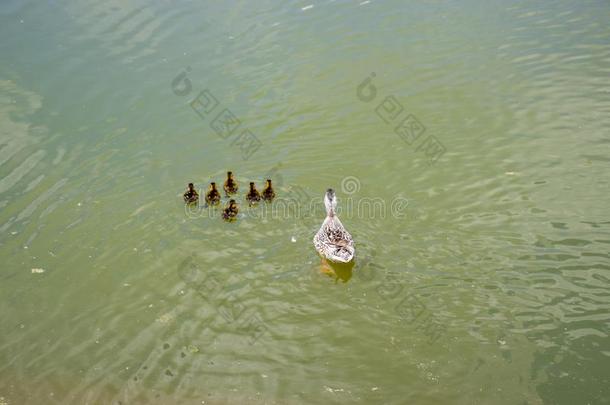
{"x": 230, "y": 184}
{"x": 191, "y": 195}
{"x": 253, "y": 195}
{"x": 212, "y": 197}
{"x": 230, "y": 213}
{"x": 268, "y": 193}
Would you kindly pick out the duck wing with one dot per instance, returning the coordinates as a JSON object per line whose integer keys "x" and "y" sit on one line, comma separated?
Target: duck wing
{"x": 333, "y": 241}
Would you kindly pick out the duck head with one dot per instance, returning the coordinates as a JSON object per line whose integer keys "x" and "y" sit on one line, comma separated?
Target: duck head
{"x": 330, "y": 202}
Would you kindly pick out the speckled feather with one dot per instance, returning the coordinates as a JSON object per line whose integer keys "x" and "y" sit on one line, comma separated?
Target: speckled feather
{"x": 333, "y": 241}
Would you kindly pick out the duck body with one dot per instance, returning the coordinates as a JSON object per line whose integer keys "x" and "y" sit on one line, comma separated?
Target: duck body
{"x": 333, "y": 242}
{"x": 231, "y": 211}
{"x": 268, "y": 192}
{"x": 230, "y": 185}
{"x": 212, "y": 197}
{"x": 191, "y": 195}
{"x": 253, "y": 195}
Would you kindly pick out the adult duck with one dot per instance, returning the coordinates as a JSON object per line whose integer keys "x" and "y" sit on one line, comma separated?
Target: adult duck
{"x": 333, "y": 241}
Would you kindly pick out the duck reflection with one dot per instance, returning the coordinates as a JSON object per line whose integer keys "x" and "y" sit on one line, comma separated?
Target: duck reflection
{"x": 338, "y": 271}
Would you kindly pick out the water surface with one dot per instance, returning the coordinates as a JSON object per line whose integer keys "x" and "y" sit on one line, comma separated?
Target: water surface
{"x": 482, "y": 275}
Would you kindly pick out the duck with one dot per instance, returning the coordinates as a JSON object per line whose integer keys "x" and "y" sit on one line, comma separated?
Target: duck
{"x": 268, "y": 193}
{"x": 191, "y": 195}
{"x": 230, "y": 184}
{"x": 333, "y": 242}
{"x": 230, "y": 212}
{"x": 212, "y": 197}
{"x": 253, "y": 195}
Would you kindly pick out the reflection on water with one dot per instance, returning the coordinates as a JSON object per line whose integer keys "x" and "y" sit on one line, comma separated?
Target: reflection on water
{"x": 482, "y": 266}
{"x": 337, "y": 271}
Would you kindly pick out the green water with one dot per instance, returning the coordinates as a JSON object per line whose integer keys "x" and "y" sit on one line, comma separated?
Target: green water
{"x": 482, "y": 232}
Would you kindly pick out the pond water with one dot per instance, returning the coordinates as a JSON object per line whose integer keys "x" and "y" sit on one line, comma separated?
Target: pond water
{"x": 468, "y": 143}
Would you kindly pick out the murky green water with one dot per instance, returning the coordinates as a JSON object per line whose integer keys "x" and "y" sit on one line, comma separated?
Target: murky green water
{"x": 481, "y": 226}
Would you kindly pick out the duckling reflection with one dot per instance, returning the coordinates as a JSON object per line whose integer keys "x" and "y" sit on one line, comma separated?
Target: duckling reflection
{"x": 338, "y": 271}
{"x": 230, "y": 185}
{"x": 191, "y": 196}
{"x": 212, "y": 197}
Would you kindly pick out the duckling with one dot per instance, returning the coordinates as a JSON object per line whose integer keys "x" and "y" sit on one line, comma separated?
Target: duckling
{"x": 230, "y": 184}
{"x": 268, "y": 193}
{"x": 230, "y": 213}
{"x": 191, "y": 195}
{"x": 212, "y": 197}
{"x": 253, "y": 195}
